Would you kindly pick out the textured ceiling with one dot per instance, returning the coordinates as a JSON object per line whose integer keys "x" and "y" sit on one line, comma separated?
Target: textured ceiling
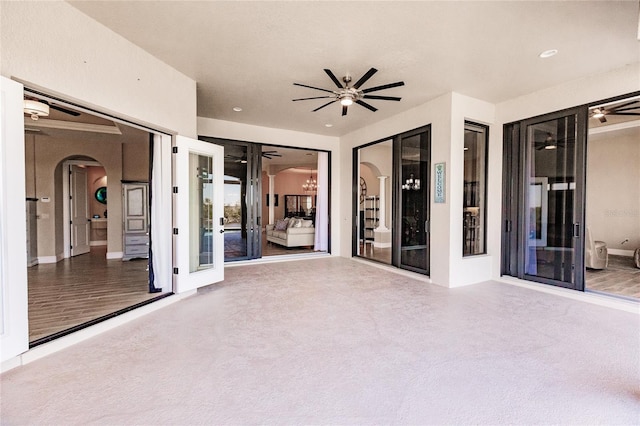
{"x": 249, "y": 54}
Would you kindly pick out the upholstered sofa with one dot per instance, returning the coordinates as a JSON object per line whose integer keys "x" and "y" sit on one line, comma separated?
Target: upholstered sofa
{"x": 291, "y": 232}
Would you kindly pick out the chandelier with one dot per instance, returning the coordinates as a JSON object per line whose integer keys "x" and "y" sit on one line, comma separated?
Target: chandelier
{"x": 411, "y": 184}
{"x": 311, "y": 184}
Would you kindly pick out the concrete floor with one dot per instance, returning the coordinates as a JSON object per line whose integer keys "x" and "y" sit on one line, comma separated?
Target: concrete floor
{"x": 335, "y": 341}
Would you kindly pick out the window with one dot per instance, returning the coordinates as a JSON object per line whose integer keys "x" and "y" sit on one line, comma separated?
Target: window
{"x": 475, "y": 189}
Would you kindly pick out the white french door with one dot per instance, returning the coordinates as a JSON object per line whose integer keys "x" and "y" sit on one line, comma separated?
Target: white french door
{"x": 14, "y": 325}
{"x": 199, "y": 177}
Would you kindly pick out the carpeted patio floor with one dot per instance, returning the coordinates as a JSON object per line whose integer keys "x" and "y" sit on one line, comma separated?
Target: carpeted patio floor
{"x": 335, "y": 341}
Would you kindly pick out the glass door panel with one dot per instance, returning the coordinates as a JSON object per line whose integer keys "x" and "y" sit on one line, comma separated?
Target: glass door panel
{"x": 553, "y": 210}
{"x": 201, "y": 221}
{"x": 242, "y": 207}
{"x": 235, "y": 204}
{"x": 374, "y": 214}
{"x": 413, "y": 196}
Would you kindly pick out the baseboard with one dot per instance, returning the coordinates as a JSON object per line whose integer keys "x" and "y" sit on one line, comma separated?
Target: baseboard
{"x": 618, "y": 252}
{"x": 381, "y": 245}
{"x": 98, "y": 243}
{"x": 51, "y": 259}
{"x": 114, "y": 255}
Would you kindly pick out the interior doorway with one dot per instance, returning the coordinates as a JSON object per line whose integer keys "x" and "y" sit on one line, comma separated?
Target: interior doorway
{"x": 76, "y": 275}
{"x": 271, "y": 199}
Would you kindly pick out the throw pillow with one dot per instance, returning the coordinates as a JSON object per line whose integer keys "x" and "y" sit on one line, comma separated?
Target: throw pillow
{"x": 307, "y": 223}
{"x": 281, "y": 225}
{"x": 292, "y": 222}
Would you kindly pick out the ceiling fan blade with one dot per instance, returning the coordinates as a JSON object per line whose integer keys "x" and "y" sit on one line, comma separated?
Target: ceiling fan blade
{"x": 333, "y": 78}
{"x": 320, "y": 107}
{"x": 382, "y": 98}
{"x": 315, "y": 97}
{"x": 66, "y": 111}
{"x": 311, "y": 87}
{"x": 626, "y": 113}
{"x": 619, "y": 107}
{"x": 384, "y": 86}
{"x": 366, "y": 105}
{"x": 616, "y": 110}
{"x": 344, "y": 109}
{"x": 602, "y": 119}
{"x": 364, "y": 78}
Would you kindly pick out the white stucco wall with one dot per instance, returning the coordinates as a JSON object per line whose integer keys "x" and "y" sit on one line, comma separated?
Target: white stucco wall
{"x": 53, "y": 47}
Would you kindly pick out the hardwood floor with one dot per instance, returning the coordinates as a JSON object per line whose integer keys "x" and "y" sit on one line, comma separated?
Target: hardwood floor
{"x": 81, "y": 289}
{"x": 380, "y": 254}
{"x": 621, "y": 277}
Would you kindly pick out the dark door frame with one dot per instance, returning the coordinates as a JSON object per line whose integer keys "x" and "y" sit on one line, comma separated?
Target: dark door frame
{"x": 396, "y": 188}
{"x": 515, "y": 190}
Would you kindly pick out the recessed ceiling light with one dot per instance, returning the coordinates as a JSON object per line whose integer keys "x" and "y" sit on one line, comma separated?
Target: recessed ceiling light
{"x": 328, "y": 125}
{"x": 237, "y": 109}
{"x": 548, "y": 53}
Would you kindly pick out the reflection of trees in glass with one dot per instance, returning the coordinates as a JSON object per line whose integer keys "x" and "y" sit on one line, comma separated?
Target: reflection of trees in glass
{"x": 232, "y": 213}
{"x": 207, "y": 213}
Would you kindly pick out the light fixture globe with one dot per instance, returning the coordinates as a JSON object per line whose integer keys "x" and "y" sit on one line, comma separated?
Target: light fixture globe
{"x": 35, "y": 109}
{"x": 346, "y": 99}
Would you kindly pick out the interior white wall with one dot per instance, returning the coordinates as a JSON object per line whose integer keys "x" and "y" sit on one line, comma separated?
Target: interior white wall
{"x": 55, "y": 47}
{"x": 245, "y": 132}
{"x": 613, "y": 188}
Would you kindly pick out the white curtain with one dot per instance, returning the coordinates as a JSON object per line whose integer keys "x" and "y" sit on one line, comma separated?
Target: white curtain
{"x": 161, "y": 236}
{"x": 321, "y": 241}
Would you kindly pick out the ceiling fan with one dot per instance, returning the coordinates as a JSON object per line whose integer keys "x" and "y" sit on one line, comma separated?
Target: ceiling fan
{"x": 270, "y": 154}
{"x": 243, "y": 158}
{"x": 627, "y": 108}
{"x": 347, "y": 95}
{"x": 549, "y": 142}
{"x": 37, "y": 108}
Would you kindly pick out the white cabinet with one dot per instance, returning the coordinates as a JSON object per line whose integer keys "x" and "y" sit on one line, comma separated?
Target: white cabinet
{"x": 135, "y": 218}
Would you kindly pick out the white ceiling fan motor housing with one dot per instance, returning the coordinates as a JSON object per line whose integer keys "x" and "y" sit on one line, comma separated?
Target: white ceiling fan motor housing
{"x": 36, "y": 109}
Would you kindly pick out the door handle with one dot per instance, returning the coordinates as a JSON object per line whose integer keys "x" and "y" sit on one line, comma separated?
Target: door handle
{"x": 222, "y": 231}
{"x": 576, "y": 230}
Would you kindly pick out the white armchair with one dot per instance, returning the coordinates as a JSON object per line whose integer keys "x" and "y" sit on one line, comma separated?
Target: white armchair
{"x": 596, "y": 254}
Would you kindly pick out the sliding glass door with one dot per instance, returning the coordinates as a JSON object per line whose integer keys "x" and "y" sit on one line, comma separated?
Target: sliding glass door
{"x": 548, "y": 208}
{"x": 391, "y": 200}
{"x": 412, "y": 194}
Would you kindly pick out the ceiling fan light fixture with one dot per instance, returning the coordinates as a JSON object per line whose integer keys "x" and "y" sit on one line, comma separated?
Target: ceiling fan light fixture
{"x": 346, "y": 100}
{"x": 597, "y": 113}
{"x": 550, "y": 147}
{"x": 36, "y": 109}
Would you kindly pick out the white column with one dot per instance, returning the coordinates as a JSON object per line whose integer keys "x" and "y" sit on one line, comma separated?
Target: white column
{"x": 272, "y": 184}
{"x": 382, "y": 225}
{"x": 382, "y": 234}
